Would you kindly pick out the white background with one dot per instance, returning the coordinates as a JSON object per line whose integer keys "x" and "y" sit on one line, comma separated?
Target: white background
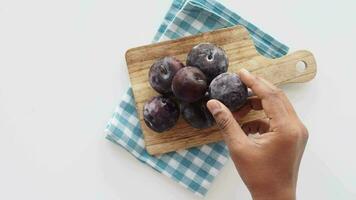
{"x": 62, "y": 71}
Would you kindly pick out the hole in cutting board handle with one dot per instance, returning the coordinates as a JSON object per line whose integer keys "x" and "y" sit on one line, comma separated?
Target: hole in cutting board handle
{"x": 301, "y": 66}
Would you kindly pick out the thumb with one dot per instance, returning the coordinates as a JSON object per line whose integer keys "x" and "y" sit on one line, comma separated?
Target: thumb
{"x": 231, "y": 130}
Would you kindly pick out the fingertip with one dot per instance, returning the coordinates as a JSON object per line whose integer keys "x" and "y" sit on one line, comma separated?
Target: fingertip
{"x": 214, "y": 106}
{"x": 244, "y": 72}
{"x": 245, "y": 76}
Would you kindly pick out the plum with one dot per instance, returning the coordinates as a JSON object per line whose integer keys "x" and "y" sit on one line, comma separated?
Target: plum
{"x": 197, "y": 114}
{"x": 160, "y": 113}
{"x": 162, "y": 72}
{"x": 229, "y": 89}
{"x": 189, "y": 84}
{"x": 209, "y": 58}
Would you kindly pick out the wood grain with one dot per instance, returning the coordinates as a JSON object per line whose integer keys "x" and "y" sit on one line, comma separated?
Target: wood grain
{"x": 241, "y": 52}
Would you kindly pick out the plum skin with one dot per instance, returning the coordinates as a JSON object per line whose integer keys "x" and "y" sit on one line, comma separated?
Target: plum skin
{"x": 160, "y": 113}
{"x": 162, "y": 72}
{"x": 229, "y": 89}
{"x": 197, "y": 115}
{"x": 209, "y": 58}
{"x": 189, "y": 84}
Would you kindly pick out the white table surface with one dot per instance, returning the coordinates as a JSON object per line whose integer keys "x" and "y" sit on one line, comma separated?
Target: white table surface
{"x": 62, "y": 71}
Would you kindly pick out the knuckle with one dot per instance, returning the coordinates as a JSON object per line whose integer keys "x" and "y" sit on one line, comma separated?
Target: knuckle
{"x": 279, "y": 92}
{"x": 254, "y": 81}
{"x": 300, "y": 131}
{"x": 304, "y": 132}
{"x": 271, "y": 94}
{"x": 257, "y": 79}
{"x": 275, "y": 93}
{"x": 224, "y": 121}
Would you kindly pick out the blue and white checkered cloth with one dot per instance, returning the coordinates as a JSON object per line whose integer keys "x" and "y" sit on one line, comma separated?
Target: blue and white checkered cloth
{"x": 194, "y": 168}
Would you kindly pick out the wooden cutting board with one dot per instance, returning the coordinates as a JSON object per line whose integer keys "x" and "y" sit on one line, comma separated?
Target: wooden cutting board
{"x": 241, "y": 52}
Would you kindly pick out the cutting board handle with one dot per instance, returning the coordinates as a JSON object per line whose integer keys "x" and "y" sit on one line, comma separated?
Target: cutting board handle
{"x": 297, "y": 67}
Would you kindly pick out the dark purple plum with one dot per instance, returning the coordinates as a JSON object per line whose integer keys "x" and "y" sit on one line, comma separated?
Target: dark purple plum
{"x": 209, "y": 58}
{"x": 160, "y": 113}
{"x": 229, "y": 89}
{"x": 197, "y": 115}
{"x": 162, "y": 72}
{"x": 189, "y": 84}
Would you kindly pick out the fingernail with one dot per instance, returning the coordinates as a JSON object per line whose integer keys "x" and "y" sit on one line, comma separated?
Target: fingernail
{"x": 213, "y": 106}
{"x": 244, "y": 71}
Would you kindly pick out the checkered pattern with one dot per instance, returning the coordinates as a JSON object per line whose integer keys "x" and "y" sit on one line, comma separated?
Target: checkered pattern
{"x": 194, "y": 168}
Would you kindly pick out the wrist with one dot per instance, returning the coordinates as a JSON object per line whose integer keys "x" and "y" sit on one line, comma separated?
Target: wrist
{"x": 283, "y": 194}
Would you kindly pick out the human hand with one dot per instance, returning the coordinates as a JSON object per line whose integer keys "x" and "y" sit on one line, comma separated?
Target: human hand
{"x": 268, "y": 162}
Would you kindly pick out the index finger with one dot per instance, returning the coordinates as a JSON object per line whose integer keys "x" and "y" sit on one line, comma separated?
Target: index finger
{"x": 273, "y": 105}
